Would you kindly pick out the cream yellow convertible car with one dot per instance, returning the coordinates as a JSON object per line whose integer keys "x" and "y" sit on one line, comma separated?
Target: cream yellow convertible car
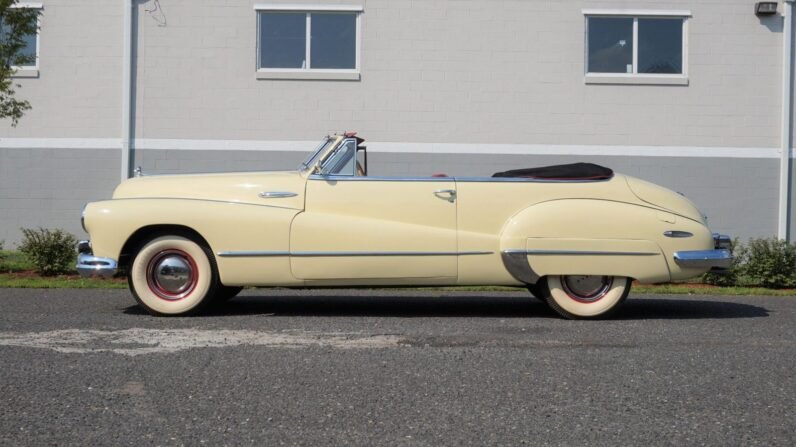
{"x": 575, "y": 235}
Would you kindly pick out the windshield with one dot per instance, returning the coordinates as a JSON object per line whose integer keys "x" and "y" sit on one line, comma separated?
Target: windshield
{"x": 312, "y": 159}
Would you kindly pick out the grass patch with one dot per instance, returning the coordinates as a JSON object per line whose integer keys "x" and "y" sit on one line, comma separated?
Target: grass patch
{"x": 16, "y": 271}
{"x": 26, "y": 281}
{"x": 14, "y": 261}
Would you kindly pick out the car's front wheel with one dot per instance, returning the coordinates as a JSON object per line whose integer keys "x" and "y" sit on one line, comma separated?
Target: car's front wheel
{"x": 173, "y": 275}
{"x": 586, "y": 296}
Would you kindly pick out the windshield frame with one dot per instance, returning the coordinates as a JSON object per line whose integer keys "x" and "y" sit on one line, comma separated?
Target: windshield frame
{"x": 328, "y": 143}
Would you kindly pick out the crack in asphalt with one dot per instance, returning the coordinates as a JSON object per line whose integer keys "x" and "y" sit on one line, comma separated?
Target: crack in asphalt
{"x": 138, "y": 341}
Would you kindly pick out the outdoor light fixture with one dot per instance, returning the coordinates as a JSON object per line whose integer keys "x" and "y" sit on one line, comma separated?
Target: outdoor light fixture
{"x": 765, "y": 8}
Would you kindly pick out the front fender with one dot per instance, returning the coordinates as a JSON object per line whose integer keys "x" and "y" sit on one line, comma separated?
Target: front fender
{"x": 599, "y": 237}
{"x": 226, "y": 226}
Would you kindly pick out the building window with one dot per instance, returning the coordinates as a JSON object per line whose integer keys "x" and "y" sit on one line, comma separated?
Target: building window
{"x": 320, "y": 42}
{"x": 643, "y": 47}
{"x": 27, "y": 61}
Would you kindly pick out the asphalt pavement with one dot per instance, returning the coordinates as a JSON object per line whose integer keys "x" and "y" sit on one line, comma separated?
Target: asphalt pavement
{"x": 407, "y": 368}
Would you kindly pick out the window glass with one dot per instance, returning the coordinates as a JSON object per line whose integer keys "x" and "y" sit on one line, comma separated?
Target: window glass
{"x": 346, "y": 166}
{"x": 29, "y": 52}
{"x": 27, "y": 55}
{"x": 342, "y": 161}
{"x": 283, "y": 39}
{"x": 333, "y": 40}
{"x": 610, "y": 45}
{"x": 362, "y": 162}
{"x": 660, "y": 45}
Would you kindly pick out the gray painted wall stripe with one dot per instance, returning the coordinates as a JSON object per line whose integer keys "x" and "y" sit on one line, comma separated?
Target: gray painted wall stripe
{"x": 388, "y": 147}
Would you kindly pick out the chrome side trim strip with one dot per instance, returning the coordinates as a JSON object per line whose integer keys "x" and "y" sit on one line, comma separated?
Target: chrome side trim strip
{"x": 276, "y": 194}
{"x": 588, "y": 253}
{"x": 308, "y": 254}
{"x": 350, "y": 178}
{"x": 677, "y": 234}
{"x": 252, "y": 254}
{"x": 324, "y": 254}
{"x": 231, "y": 202}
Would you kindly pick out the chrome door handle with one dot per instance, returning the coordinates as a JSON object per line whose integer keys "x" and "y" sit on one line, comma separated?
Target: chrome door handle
{"x": 276, "y": 194}
{"x": 447, "y": 194}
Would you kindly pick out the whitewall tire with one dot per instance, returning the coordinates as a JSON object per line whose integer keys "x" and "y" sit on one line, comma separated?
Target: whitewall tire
{"x": 173, "y": 275}
{"x": 586, "y": 296}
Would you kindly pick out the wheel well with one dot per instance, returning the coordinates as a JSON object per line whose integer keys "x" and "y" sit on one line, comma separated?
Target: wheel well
{"x": 145, "y": 234}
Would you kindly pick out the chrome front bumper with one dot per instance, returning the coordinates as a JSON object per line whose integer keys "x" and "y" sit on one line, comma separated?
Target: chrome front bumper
{"x": 90, "y": 266}
{"x": 720, "y": 258}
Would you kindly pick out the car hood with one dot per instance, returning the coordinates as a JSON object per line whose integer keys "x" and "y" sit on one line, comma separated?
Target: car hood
{"x": 239, "y": 187}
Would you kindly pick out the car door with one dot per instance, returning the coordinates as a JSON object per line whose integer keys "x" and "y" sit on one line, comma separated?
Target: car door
{"x": 359, "y": 227}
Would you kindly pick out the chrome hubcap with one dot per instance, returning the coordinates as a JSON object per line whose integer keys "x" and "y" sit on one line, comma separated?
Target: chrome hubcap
{"x": 586, "y": 288}
{"x": 172, "y": 275}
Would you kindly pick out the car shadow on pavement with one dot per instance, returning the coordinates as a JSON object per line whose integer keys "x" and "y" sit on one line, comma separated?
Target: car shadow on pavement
{"x": 465, "y": 306}
{"x": 374, "y": 306}
{"x": 686, "y": 308}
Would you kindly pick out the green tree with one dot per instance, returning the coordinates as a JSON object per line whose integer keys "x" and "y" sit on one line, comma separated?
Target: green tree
{"x": 17, "y": 27}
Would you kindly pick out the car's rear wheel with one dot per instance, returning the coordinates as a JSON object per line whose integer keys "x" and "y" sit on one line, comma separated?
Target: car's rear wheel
{"x": 586, "y": 296}
{"x": 173, "y": 275}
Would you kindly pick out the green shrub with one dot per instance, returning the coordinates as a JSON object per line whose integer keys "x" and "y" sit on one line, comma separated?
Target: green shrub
{"x": 769, "y": 263}
{"x": 762, "y": 262}
{"x": 728, "y": 278}
{"x": 2, "y": 255}
{"x": 51, "y": 251}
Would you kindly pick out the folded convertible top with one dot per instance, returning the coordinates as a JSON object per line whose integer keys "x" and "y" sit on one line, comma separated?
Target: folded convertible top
{"x": 573, "y": 171}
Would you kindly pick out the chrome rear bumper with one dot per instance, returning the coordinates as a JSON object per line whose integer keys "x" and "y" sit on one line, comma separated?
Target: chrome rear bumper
{"x": 90, "y": 266}
{"x": 719, "y": 258}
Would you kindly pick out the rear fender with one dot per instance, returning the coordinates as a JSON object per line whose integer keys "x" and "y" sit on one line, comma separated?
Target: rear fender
{"x": 591, "y": 237}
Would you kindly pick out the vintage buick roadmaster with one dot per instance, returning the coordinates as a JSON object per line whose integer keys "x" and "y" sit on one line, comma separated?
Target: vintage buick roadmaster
{"x": 576, "y": 235}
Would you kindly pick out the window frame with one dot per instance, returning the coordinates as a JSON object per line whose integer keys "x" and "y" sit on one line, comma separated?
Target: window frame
{"x": 635, "y": 77}
{"x": 352, "y": 74}
{"x": 331, "y": 163}
{"x": 30, "y": 71}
